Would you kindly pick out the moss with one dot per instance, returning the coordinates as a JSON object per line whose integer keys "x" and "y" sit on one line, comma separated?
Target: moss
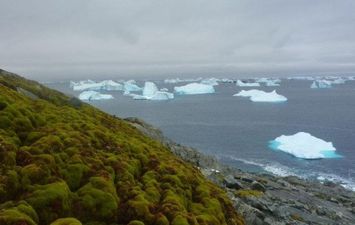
{"x": 3, "y": 105}
{"x": 66, "y": 221}
{"x": 50, "y": 201}
{"x": 248, "y": 193}
{"x": 136, "y": 222}
{"x": 13, "y": 216}
{"x": 73, "y": 175}
{"x": 70, "y": 159}
{"x": 98, "y": 198}
{"x": 179, "y": 220}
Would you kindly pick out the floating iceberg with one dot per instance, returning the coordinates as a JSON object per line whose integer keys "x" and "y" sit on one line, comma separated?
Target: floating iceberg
{"x": 178, "y": 80}
{"x": 164, "y": 89}
{"x": 151, "y": 92}
{"x": 321, "y": 84}
{"x": 262, "y": 96}
{"x": 210, "y": 81}
{"x": 247, "y": 84}
{"x": 89, "y": 85}
{"x": 270, "y": 82}
{"x": 304, "y": 145}
{"x": 94, "y": 95}
{"x": 194, "y": 88}
{"x": 130, "y": 86}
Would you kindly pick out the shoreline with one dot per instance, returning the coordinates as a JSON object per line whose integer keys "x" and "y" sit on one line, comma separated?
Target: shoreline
{"x": 264, "y": 198}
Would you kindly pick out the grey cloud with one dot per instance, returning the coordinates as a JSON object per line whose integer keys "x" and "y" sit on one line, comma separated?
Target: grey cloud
{"x": 123, "y": 38}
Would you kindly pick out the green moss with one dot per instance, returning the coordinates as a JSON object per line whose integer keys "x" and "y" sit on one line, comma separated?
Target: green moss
{"x": 73, "y": 175}
{"x": 50, "y": 201}
{"x": 179, "y": 220}
{"x": 248, "y": 193}
{"x": 66, "y": 221}
{"x": 68, "y": 159}
{"x": 136, "y": 222}
{"x": 22, "y": 213}
{"x": 98, "y": 198}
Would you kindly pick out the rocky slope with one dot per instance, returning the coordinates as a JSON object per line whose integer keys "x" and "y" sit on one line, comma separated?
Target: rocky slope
{"x": 265, "y": 199}
{"x": 65, "y": 162}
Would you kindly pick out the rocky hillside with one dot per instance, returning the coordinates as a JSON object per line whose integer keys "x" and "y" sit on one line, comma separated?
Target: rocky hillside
{"x": 65, "y": 162}
{"x": 263, "y": 199}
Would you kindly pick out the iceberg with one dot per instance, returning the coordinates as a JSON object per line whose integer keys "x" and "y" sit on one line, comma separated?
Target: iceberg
{"x": 151, "y": 92}
{"x": 246, "y": 84}
{"x": 270, "y": 82}
{"x": 321, "y": 84}
{"x": 210, "y": 81}
{"x": 164, "y": 89}
{"x": 262, "y": 96}
{"x": 94, "y": 95}
{"x": 149, "y": 89}
{"x": 89, "y": 85}
{"x": 194, "y": 88}
{"x": 304, "y": 145}
{"x": 178, "y": 80}
{"x": 130, "y": 86}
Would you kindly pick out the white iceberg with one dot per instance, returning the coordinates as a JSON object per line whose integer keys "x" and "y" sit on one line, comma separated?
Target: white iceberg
{"x": 270, "y": 82}
{"x": 194, "y": 88}
{"x": 247, "y": 84}
{"x": 262, "y": 96}
{"x": 210, "y": 81}
{"x": 321, "y": 84}
{"x": 94, "y": 95}
{"x": 164, "y": 89}
{"x": 89, "y": 85}
{"x": 130, "y": 86}
{"x": 178, "y": 80}
{"x": 151, "y": 92}
{"x": 149, "y": 89}
{"x": 304, "y": 145}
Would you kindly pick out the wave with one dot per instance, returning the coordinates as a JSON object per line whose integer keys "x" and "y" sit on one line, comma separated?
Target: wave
{"x": 278, "y": 169}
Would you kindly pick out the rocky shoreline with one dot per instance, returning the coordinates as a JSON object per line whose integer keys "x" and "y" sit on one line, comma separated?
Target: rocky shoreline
{"x": 264, "y": 199}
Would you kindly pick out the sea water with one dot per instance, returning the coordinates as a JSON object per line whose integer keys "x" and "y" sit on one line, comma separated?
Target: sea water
{"x": 238, "y": 131}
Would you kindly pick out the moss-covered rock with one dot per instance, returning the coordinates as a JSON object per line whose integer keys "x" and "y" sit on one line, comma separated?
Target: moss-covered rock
{"x": 66, "y": 221}
{"x": 68, "y": 159}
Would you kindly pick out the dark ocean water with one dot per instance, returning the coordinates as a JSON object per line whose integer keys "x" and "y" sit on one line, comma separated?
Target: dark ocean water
{"x": 237, "y": 130}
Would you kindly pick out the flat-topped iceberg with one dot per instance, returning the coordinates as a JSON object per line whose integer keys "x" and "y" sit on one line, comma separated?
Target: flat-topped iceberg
{"x": 304, "y": 145}
{"x": 94, "y": 95}
{"x": 151, "y": 92}
{"x": 89, "y": 85}
{"x": 247, "y": 84}
{"x": 178, "y": 80}
{"x": 194, "y": 88}
{"x": 262, "y": 96}
{"x": 321, "y": 84}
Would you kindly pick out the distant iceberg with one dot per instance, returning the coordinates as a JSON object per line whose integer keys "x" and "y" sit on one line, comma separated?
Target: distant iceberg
{"x": 151, "y": 92}
{"x": 304, "y": 145}
{"x": 94, "y": 95}
{"x": 178, "y": 80}
{"x": 247, "y": 84}
{"x": 130, "y": 86}
{"x": 262, "y": 96}
{"x": 89, "y": 85}
{"x": 210, "y": 81}
{"x": 270, "y": 82}
{"x": 321, "y": 84}
{"x": 194, "y": 88}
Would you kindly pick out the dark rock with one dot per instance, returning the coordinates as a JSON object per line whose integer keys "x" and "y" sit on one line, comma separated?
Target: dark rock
{"x": 230, "y": 182}
{"x": 257, "y": 186}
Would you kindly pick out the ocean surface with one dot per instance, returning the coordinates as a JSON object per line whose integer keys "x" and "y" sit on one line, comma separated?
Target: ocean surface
{"x": 238, "y": 131}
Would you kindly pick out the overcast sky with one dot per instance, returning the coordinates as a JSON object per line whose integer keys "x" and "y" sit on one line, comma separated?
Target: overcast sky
{"x": 114, "y": 38}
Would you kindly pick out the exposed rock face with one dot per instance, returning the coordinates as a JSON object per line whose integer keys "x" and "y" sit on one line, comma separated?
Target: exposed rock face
{"x": 265, "y": 199}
